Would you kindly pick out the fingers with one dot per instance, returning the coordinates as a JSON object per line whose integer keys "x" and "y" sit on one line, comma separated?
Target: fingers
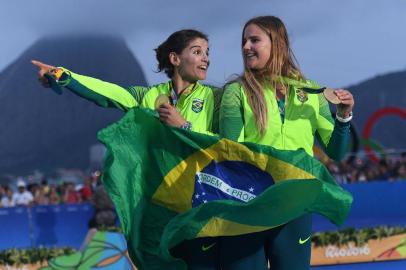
{"x": 342, "y": 92}
{"x": 166, "y": 106}
{"x": 170, "y": 116}
{"x": 344, "y": 96}
{"x": 42, "y": 65}
{"x": 43, "y": 69}
{"x": 347, "y": 101}
{"x": 37, "y": 63}
{"x": 164, "y": 110}
{"x": 164, "y": 113}
{"x": 41, "y": 73}
{"x": 164, "y": 116}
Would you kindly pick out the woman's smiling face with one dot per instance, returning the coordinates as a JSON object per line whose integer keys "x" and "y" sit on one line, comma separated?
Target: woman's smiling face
{"x": 256, "y": 47}
{"x": 194, "y": 61}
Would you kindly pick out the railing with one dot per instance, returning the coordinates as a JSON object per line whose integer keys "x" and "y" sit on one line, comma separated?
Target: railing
{"x": 50, "y": 225}
{"x": 375, "y": 203}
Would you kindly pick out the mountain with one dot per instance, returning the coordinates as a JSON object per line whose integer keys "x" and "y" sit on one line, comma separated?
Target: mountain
{"x": 43, "y": 130}
{"x": 378, "y": 93}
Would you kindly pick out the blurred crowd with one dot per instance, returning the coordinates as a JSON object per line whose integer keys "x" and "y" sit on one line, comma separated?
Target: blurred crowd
{"x": 44, "y": 193}
{"x": 356, "y": 169}
{"x": 351, "y": 170}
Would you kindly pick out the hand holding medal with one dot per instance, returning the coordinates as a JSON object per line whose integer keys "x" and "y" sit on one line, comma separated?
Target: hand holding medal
{"x": 167, "y": 112}
{"x": 344, "y": 107}
{"x": 340, "y": 97}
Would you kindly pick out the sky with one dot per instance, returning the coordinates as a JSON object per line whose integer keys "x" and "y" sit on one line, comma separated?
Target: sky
{"x": 337, "y": 43}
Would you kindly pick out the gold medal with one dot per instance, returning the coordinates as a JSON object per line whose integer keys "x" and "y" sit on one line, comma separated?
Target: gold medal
{"x": 160, "y": 100}
{"x": 331, "y": 96}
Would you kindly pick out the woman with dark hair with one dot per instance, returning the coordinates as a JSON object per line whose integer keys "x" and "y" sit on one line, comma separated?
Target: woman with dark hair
{"x": 181, "y": 102}
{"x": 272, "y": 103}
{"x": 184, "y": 57}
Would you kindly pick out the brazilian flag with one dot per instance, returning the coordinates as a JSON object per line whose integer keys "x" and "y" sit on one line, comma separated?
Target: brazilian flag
{"x": 170, "y": 184}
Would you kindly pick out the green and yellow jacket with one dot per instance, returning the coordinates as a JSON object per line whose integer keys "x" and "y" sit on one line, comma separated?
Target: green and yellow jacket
{"x": 198, "y": 104}
{"x": 292, "y": 125}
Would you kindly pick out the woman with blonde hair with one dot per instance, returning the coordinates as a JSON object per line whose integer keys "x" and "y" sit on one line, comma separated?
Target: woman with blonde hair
{"x": 273, "y": 104}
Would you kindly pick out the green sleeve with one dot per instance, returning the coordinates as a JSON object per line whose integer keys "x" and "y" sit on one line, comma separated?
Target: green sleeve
{"x": 338, "y": 145}
{"x": 218, "y": 94}
{"x": 333, "y": 135}
{"x": 103, "y": 93}
{"x": 231, "y": 112}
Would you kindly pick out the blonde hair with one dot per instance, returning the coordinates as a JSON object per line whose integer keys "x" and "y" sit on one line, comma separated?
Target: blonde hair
{"x": 281, "y": 62}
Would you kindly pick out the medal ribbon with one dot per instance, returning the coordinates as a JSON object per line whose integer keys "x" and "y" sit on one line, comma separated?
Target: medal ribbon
{"x": 307, "y": 87}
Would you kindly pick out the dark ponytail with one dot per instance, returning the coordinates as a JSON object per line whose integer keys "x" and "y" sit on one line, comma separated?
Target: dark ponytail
{"x": 176, "y": 43}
